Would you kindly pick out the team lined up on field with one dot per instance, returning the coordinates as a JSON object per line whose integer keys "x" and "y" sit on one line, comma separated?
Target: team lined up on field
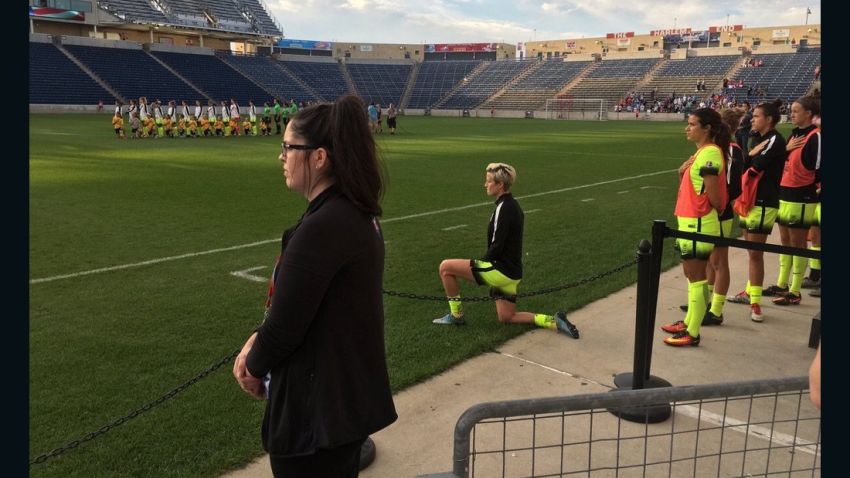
{"x": 149, "y": 120}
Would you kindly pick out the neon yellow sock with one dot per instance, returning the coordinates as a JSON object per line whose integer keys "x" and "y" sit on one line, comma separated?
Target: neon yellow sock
{"x": 545, "y": 321}
{"x": 717, "y": 302}
{"x": 707, "y": 290}
{"x": 798, "y": 270}
{"x": 814, "y": 263}
{"x": 696, "y": 306}
{"x": 456, "y": 307}
{"x": 755, "y": 294}
{"x": 784, "y": 270}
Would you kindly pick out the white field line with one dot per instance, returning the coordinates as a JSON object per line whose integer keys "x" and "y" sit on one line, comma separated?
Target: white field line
{"x": 781, "y": 439}
{"x": 451, "y": 228}
{"x": 588, "y": 200}
{"x": 740, "y": 426}
{"x": 385, "y": 221}
{"x": 531, "y": 211}
{"x": 245, "y": 274}
{"x": 623, "y": 192}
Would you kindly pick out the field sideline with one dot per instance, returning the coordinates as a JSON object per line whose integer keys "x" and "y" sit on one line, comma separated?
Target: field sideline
{"x": 134, "y": 245}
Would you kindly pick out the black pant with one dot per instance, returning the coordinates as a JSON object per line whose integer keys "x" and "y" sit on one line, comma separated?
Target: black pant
{"x": 340, "y": 462}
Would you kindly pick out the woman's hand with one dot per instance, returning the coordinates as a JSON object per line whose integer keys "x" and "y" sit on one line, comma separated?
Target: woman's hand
{"x": 755, "y": 151}
{"x": 250, "y": 384}
{"x": 794, "y": 143}
{"x": 684, "y": 167}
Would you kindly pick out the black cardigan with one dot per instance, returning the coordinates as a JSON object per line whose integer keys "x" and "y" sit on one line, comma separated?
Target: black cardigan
{"x": 323, "y": 340}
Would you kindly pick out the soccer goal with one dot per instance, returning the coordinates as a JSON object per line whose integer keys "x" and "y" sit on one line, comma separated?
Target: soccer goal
{"x": 577, "y": 108}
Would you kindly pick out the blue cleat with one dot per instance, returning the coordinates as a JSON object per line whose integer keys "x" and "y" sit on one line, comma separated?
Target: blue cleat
{"x": 565, "y": 326}
{"x": 449, "y": 319}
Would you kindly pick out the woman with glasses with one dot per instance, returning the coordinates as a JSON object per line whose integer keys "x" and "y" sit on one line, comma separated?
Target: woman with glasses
{"x": 318, "y": 357}
{"x": 767, "y": 159}
{"x": 501, "y": 266}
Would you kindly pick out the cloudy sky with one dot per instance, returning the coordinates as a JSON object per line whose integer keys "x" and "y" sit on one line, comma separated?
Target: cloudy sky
{"x": 512, "y": 21}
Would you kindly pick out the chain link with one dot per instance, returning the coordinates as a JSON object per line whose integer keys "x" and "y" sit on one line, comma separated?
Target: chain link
{"x": 406, "y": 295}
{"x": 549, "y": 290}
{"x": 120, "y": 421}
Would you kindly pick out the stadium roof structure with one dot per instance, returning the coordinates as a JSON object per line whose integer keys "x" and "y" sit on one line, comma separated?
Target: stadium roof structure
{"x": 225, "y": 19}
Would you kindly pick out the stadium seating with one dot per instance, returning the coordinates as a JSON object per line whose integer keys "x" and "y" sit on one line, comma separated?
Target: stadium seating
{"x": 324, "y": 77}
{"x": 383, "y": 84}
{"x": 133, "y": 73}
{"x": 54, "y": 79}
{"x": 214, "y": 77}
{"x": 681, "y": 76}
{"x": 612, "y": 79}
{"x": 265, "y": 23}
{"x": 134, "y": 11}
{"x": 436, "y": 78}
{"x": 531, "y": 92}
{"x": 786, "y": 76}
{"x": 494, "y": 75}
{"x": 247, "y": 16}
{"x": 264, "y": 71}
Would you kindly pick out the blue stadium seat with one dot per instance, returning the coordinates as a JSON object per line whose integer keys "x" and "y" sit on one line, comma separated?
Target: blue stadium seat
{"x": 55, "y": 79}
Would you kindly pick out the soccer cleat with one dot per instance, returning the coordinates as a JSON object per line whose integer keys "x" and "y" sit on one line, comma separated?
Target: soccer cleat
{"x": 565, "y": 326}
{"x": 788, "y": 299}
{"x": 683, "y": 307}
{"x": 741, "y": 298}
{"x": 755, "y": 313}
{"x": 675, "y": 328}
{"x": 774, "y": 291}
{"x": 711, "y": 319}
{"x": 681, "y": 339}
{"x": 810, "y": 284}
{"x": 815, "y": 292}
{"x": 449, "y": 319}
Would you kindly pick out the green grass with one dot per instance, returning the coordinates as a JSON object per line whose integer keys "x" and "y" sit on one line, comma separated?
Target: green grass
{"x": 103, "y": 344}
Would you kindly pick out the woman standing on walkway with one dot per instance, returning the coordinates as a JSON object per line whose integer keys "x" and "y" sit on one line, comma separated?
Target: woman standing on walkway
{"x": 321, "y": 346}
{"x": 501, "y": 266}
{"x": 766, "y": 159}
{"x": 798, "y": 196}
{"x": 702, "y": 196}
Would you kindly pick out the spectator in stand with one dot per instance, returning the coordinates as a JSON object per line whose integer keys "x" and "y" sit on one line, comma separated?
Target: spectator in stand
{"x": 766, "y": 160}
{"x": 702, "y": 194}
{"x": 798, "y": 197}
{"x": 817, "y": 72}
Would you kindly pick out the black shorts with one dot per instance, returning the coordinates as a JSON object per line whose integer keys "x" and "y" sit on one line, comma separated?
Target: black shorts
{"x": 391, "y": 122}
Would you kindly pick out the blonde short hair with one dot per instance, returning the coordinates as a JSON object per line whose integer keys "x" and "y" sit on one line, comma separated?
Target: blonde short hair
{"x": 504, "y": 174}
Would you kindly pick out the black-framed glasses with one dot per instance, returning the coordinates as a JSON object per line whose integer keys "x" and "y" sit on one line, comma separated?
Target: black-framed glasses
{"x": 496, "y": 169}
{"x": 284, "y": 147}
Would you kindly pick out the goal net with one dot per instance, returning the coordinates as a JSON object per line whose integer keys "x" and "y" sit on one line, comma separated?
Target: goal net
{"x": 577, "y": 108}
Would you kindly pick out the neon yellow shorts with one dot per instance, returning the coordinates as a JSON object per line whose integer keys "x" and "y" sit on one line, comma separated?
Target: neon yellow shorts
{"x": 796, "y": 215}
{"x": 500, "y": 285}
{"x": 726, "y": 228}
{"x": 817, "y": 215}
{"x": 691, "y": 249}
{"x": 760, "y": 220}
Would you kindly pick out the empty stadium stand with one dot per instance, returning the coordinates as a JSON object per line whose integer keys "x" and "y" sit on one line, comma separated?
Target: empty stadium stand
{"x": 531, "y": 92}
{"x": 785, "y": 75}
{"x": 243, "y": 16}
{"x": 612, "y": 79}
{"x": 214, "y": 77}
{"x": 133, "y": 73}
{"x": 494, "y": 76}
{"x": 266, "y": 72}
{"x": 382, "y": 84}
{"x": 324, "y": 77}
{"x": 55, "y": 79}
{"x": 681, "y": 76}
{"x": 436, "y": 78}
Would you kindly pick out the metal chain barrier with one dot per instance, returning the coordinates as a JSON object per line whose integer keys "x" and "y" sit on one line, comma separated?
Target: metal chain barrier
{"x": 406, "y": 295}
{"x": 549, "y": 290}
{"x": 120, "y": 421}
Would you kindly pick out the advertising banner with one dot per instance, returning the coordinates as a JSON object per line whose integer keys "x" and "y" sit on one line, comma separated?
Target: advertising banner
{"x": 304, "y": 44}
{"x": 58, "y": 14}
{"x": 459, "y": 47}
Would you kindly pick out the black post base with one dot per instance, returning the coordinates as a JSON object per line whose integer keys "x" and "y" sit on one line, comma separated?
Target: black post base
{"x": 645, "y": 414}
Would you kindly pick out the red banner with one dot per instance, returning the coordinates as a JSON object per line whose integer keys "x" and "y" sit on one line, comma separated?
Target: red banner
{"x": 57, "y": 13}
{"x": 620, "y": 35}
{"x": 462, "y": 47}
{"x": 726, "y": 28}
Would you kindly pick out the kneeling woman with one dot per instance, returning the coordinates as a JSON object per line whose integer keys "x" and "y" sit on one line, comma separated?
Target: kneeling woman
{"x": 701, "y": 195}
{"x": 501, "y": 266}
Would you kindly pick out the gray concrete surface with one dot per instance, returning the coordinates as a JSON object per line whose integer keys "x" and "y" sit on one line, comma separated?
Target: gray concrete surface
{"x": 541, "y": 363}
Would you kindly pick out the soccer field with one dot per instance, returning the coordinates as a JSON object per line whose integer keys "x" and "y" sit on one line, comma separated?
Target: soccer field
{"x": 134, "y": 245}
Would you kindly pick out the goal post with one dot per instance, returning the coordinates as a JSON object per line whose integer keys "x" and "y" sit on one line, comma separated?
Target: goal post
{"x": 577, "y": 108}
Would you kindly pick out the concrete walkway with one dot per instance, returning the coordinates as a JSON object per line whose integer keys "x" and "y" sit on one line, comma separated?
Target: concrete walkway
{"x": 541, "y": 363}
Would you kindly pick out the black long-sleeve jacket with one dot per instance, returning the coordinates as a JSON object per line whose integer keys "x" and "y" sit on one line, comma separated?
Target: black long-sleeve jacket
{"x": 504, "y": 237}
{"x": 323, "y": 339}
{"x": 771, "y": 160}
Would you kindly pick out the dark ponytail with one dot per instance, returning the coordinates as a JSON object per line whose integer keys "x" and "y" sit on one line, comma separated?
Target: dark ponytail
{"x": 771, "y": 109}
{"x": 342, "y": 129}
{"x": 719, "y": 132}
